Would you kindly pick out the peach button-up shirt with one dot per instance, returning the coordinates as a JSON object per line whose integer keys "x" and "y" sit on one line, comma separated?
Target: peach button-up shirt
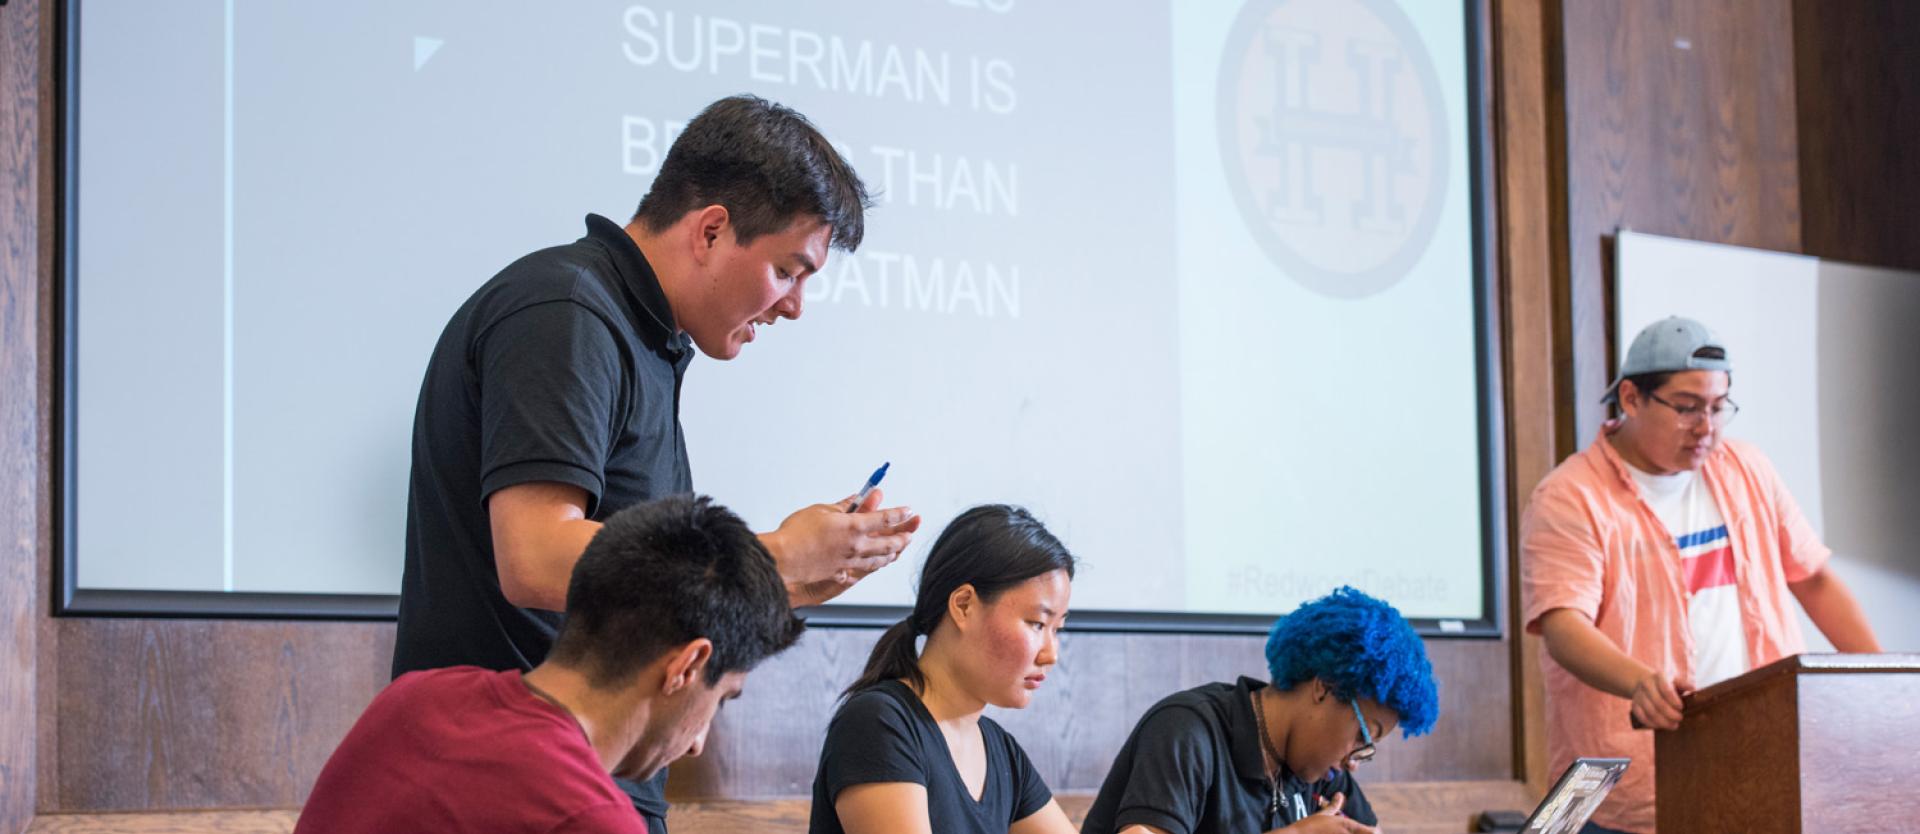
{"x": 1588, "y": 542}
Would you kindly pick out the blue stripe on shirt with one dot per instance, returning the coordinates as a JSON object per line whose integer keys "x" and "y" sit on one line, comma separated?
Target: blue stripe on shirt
{"x": 1702, "y": 537}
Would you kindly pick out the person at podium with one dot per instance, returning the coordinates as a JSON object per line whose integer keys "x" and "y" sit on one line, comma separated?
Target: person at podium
{"x": 1664, "y": 558}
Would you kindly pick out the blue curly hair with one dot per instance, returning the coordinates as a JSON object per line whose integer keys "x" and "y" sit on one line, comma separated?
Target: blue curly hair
{"x": 1358, "y": 646}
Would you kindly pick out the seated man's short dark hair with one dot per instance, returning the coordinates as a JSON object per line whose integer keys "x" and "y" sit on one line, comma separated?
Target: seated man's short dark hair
{"x": 663, "y": 573}
{"x": 766, "y": 164}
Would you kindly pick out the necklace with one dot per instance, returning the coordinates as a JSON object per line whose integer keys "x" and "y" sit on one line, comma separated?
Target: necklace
{"x": 1266, "y": 739}
{"x": 1274, "y": 761}
{"x": 542, "y": 695}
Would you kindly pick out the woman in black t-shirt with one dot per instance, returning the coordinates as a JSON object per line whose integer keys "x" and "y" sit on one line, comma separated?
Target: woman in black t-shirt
{"x": 909, "y": 750}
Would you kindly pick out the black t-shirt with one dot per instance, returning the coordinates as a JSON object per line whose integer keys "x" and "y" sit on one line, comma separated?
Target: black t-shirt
{"x": 1193, "y": 766}
{"x": 564, "y": 367}
{"x": 885, "y": 734}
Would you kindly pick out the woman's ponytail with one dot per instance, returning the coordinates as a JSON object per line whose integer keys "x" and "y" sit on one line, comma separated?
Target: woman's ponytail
{"x": 894, "y": 657}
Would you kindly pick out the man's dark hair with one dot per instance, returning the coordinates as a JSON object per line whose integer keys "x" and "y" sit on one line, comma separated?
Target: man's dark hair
{"x": 663, "y": 573}
{"x": 766, "y": 164}
{"x": 1648, "y": 383}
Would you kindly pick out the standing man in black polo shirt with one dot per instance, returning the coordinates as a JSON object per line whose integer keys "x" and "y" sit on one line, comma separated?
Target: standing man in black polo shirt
{"x": 1233, "y": 758}
{"x": 552, "y": 399}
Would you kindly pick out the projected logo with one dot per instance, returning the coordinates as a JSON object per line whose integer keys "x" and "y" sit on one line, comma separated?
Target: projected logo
{"x": 1334, "y": 138}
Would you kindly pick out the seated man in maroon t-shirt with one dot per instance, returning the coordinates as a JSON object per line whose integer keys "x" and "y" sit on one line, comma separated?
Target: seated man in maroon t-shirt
{"x": 670, "y": 606}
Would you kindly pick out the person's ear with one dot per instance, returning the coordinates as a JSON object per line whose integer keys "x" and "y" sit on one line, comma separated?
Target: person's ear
{"x": 687, "y": 665}
{"x": 709, "y": 225}
{"x": 1629, "y": 398}
{"x": 963, "y": 605}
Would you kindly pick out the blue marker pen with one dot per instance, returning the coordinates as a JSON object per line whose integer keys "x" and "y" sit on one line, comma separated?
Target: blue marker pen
{"x": 871, "y": 483}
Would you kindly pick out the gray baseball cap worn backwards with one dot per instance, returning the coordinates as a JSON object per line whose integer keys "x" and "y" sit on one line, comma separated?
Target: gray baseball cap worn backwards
{"x": 1671, "y": 344}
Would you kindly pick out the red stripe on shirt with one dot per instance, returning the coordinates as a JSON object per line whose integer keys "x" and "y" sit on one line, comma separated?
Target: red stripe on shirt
{"x": 1711, "y": 569}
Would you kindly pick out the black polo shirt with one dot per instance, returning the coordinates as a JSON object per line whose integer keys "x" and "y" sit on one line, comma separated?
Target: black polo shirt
{"x": 1193, "y": 766}
{"x": 564, "y": 367}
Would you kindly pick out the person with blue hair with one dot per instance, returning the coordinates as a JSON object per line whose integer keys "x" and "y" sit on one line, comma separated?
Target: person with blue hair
{"x": 1255, "y": 756}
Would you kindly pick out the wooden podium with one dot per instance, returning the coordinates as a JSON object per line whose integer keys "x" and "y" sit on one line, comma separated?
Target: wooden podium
{"x": 1809, "y": 743}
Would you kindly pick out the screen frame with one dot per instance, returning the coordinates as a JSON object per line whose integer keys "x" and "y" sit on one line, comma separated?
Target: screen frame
{"x": 71, "y": 600}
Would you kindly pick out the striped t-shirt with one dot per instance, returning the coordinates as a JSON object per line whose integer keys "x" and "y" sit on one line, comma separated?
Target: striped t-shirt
{"x": 1687, "y": 510}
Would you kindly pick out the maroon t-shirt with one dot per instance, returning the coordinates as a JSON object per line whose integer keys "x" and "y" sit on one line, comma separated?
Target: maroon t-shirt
{"x": 465, "y": 749}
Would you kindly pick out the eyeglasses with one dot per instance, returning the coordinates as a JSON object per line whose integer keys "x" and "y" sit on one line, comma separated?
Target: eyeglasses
{"x": 1365, "y": 752}
{"x": 1690, "y": 416}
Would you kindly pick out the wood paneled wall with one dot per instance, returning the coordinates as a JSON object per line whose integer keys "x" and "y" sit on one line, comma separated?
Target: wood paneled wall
{"x": 23, "y": 242}
{"x": 175, "y": 714}
{"x": 766, "y": 743}
{"x": 172, "y": 714}
{"x": 1528, "y": 133}
{"x": 1679, "y": 121}
{"x": 1858, "y": 96}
